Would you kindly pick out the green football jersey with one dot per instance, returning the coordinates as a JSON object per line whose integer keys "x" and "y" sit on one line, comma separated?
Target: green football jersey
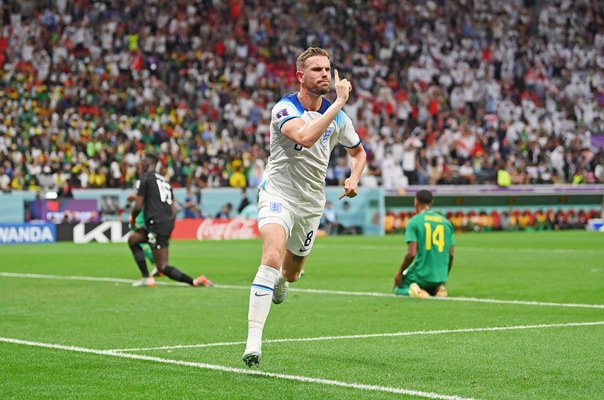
{"x": 434, "y": 236}
{"x": 140, "y": 220}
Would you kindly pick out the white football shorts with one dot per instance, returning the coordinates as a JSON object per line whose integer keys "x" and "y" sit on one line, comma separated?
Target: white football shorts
{"x": 300, "y": 226}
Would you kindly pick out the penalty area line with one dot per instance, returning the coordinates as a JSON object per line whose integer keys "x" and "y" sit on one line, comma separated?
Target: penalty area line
{"x": 371, "y": 335}
{"x": 240, "y": 371}
{"x": 318, "y": 291}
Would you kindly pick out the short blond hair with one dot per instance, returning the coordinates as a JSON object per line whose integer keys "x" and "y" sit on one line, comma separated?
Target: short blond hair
{"x": 308, "y": 53}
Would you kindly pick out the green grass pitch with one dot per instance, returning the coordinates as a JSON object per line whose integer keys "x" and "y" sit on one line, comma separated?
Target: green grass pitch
{"x": 541, "y": 336}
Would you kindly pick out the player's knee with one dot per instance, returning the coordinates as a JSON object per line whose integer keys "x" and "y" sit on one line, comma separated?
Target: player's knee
{"x": 272, "y": 258}
{"x": 133, "y": 240}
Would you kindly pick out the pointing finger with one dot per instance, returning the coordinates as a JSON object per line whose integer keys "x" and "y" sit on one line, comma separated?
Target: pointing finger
{"x": 336, "y": 75}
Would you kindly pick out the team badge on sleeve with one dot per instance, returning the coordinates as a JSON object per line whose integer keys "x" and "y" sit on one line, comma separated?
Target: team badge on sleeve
{"x": 276, "y": 207}
{"x": 282, "y": 113}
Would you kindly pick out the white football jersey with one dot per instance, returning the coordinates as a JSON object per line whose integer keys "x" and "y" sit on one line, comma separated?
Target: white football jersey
{"x": 297, "y": 173}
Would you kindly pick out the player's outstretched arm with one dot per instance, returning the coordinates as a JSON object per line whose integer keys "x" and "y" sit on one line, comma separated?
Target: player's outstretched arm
{"x": 306, "y": 134}
{"x": 351, "y": 184}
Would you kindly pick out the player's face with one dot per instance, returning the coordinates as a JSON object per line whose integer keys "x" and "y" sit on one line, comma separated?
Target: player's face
{"x": 143, "y": 165}
{"x": 140, "y": 169}
{"x": 316, "y": 75}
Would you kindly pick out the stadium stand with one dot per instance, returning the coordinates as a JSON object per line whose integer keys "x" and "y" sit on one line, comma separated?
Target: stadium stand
{"x": 445, "y": 92}
{"x": 516, "y": 220}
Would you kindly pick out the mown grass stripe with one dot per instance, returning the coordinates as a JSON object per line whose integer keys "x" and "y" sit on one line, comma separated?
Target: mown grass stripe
{"x": 240, "y": 371}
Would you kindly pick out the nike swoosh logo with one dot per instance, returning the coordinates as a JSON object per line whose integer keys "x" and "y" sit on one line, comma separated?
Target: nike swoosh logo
{"x": 261, "y": 294}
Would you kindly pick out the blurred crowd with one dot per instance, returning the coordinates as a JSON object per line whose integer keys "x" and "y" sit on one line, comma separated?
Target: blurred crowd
{"x": 514, "y": 220}
{"x": 445, "y": 92}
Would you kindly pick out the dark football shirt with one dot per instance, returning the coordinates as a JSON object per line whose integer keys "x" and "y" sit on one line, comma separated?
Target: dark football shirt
{"x": 158, "y": 197}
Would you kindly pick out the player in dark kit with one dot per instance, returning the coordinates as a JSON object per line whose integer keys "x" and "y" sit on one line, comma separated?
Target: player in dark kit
{"x": 154, "y": 195}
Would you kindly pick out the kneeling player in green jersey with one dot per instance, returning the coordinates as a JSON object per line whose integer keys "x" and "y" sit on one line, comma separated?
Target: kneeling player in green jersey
{"x": 430, "y": 242}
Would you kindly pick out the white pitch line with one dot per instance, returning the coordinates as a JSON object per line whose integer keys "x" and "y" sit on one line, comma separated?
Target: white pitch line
{"x": 241, "y": 371}
{"x": 81, "y": 278}
{"x": 518, "y": 302}
{"x": 372, "y": 335}
{"x": 65, "y": 277}
{"x": 320, "y": 291}
{"x": 461, "y": 248}
{"x": 530, "y": 250}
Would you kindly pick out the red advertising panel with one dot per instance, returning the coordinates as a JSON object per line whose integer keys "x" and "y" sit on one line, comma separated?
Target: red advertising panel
{"x": 216, "y": 229}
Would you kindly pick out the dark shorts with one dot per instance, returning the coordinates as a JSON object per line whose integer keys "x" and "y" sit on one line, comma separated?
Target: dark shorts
{"x": 158, "y": 233}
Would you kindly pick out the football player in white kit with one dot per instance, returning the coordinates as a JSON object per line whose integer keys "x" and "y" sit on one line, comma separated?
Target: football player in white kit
{"x": 304, "y": 129}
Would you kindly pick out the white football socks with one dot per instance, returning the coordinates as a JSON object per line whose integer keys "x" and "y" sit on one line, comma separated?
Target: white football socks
{"x": 261, "y": 297}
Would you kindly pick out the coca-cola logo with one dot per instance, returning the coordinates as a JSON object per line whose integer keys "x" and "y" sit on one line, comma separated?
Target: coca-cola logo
{"x": 237, "y": 228}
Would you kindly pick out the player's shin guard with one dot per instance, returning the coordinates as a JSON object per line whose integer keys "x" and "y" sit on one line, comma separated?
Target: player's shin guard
{"x": 139, "y": 257}
{"x": 177, "y": 275}
{"x": 261, "y": 296}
